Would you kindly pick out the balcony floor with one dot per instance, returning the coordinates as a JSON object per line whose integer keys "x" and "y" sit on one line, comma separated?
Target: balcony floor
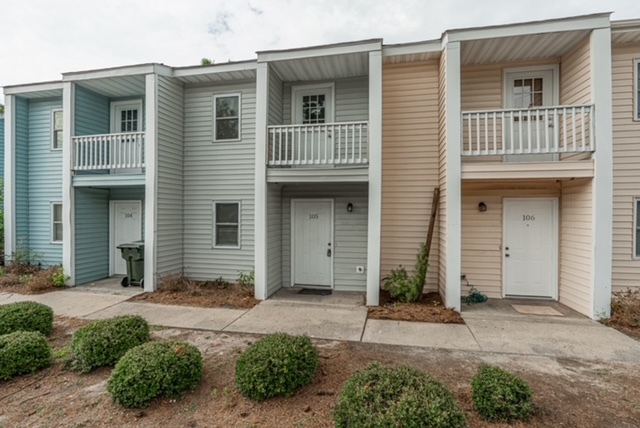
{"x": 355, "y": 174}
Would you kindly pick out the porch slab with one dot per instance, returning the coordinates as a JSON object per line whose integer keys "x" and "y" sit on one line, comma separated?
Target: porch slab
{"x": 70, "y": 303}
{"x": 317, "y": 321}
{"x": 174, "y": 316}
{"x": 583, "y": 339}
{"x": 428, "y": 335}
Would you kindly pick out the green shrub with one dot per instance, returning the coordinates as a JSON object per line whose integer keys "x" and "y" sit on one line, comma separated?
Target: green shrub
{"x": 405, "y": 288}
{"x": 277, "y": 364}
{"x": 381, "y": 396}
{"x": 26, "y": 316}
{"x": 104, "y": 342}
{"x": 23, "y": 352}
{"x": 155, "y": 369}
{"x": 501, "y": 396}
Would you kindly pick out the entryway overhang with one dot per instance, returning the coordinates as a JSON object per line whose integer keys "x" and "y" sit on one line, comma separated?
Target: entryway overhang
{"x": 528, "y": 170}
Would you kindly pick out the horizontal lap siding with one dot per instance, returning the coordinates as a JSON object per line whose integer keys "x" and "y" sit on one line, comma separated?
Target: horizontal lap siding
{"x": 22, "y": 173}
{"x": 92, "y": 234}
{"x": 575, "y": 76}
{"x": 482, "y": 232}
{"x": 626, "y": 173}
{"x": 576, "y": 236}
{"x": 92, "y": 113}
{"x": 217, "y": 171}
{"x": 275, "y": 99}
{"x": 274, "y": 239}
{"x": 410, "y": 130}
{"x": 170, "y": 203}
{"x": 442, "y": 176}
{"x": 350, "y": 230}
{"x": 45, "y": 180}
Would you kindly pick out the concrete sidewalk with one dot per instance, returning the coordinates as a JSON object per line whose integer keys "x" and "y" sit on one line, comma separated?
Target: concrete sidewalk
{"x": 345, "y": 318}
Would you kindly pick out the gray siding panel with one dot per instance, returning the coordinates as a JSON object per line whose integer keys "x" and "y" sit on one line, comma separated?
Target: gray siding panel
{"x": 92, "y": 234}
{"x": 350, "y": 230}
{"x": 92, "y": 113}
{"x": 44, "y": 181}
{"x": 274, "y": 239}
{"x": 170, "y": 203}
{"x": 22, "y": 172}
{"x": 275, "y": 99}
{"x": 217, "y": 172}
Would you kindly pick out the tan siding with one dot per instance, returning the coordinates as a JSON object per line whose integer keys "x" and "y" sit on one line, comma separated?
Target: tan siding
{"x": 481, "y": 87}
{"x": 442, "y": 175}
{"x": 575, "y": 76}
{"x": 575, "y": 245}
{"x": 626, "y": 173}
{"x": 410, "y": 167}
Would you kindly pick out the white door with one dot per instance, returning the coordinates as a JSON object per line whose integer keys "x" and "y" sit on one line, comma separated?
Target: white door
{"x": 126, "y": 223}
{"x": 530, "y": 247}
{"x": 313, "y": 107}
{"x": 529, "y": 130}
{"x": 312, "y": 249}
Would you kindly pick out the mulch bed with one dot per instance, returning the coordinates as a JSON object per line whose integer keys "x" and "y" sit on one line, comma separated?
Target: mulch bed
{"x": 429, "y": 308}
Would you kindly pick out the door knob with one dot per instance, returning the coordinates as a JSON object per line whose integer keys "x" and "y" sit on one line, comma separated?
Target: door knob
{"x": 329, "y": 252}
{"x": 506, "y": 255}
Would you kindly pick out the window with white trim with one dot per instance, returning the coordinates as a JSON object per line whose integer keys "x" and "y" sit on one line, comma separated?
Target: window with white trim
{"x": 56, "y": 129}
{"x": 56, "y": 222}
{"x": 226, "y": 224}
{"x": 226, "y": 117}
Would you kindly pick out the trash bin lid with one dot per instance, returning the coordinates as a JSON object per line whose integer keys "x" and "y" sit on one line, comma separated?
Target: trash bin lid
{"x": 136, "y": 244}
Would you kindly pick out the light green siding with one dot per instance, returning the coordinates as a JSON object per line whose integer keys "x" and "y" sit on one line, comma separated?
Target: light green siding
{"x": 92, "y": 113}
{"x": 1, "y": 147}
{"x": 92, "y": 234}
{"x": 22, "y": 172}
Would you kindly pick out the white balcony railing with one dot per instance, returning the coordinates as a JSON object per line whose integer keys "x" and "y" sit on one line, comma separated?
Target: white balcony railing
{"x": 344, "y": 143}
{"x": 545, "y": 130}
{"x": 108, "y": 151}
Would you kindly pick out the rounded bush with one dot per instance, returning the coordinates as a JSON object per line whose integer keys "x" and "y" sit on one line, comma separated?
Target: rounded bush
{"x": 155, "y": 369}
{"x": 23, "y": 352}
{"x": 381, "y": 396}
{"x": 277, "y": 364}
{"x": 26, "y": 316}
{"x": 104, "y": 342}
{"x": 501, "y": 396}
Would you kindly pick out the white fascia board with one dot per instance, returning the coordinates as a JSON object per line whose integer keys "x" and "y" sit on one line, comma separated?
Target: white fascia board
{"x": 32, "y": 87}
{"x": 163, "y": 70}
{"x": 589, "y": 22}
{"x": 128, "y": 70}
{"x": 215, "y": 68}
{"x": 316, "y": 51}
{"x": 412, "y": 48}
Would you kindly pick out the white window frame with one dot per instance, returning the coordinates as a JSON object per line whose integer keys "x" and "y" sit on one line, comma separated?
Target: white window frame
{"x": 327, "y": 86}
{"x": 636, "y": 91}
{"x": 53, "y": 223}
{"x": 215, "y": 224}
{"x": 117, "y": 106}
{"x": 215, "y": 118}
{"x": 53, "y": 130}
{"x": 636, "y": 227}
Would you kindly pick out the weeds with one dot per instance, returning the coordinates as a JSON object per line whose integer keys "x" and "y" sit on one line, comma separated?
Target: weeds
{"x": 625, "y": 309}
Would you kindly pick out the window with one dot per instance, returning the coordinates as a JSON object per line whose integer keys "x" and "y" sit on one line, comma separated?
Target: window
{"x": 56, "y": 129}
{"x": 226, "y": 121}
{"x": 126, "y": 116}
{"x": 56, "y": 222}
{"x": 312, "y": 104}
{"x": 226, "y": 221}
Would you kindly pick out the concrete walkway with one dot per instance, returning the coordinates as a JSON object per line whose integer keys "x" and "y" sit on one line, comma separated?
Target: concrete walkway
{"x": 344, "y": 317}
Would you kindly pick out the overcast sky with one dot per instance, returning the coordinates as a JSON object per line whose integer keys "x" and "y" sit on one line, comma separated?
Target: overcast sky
{"x": 43, "y": 38}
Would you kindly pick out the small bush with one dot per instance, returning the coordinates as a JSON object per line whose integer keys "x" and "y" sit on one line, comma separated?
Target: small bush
{"x": 26, "y": 316}
{"x": 501, "y": 396}
{"x": 277, "y": 364}
{"x": 23, "y": 352}
{"x": 381, "y": 396}
{"x": 155, "y": 369}
{"x": 405, "y": 288}
{"x": 625, "y": 309}
{"x": 246, "y": 280}
{"x": 104, "y": 342}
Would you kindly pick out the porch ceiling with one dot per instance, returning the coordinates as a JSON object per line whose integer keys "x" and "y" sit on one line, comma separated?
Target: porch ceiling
{"x": 520, "y": 48}
{"x": 625, "y": 36}
{"x": 323, "y": 67}
{"x": 120, "y": 86}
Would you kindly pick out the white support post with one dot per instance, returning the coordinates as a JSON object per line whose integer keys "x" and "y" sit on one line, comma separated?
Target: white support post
{"x": 151, "y": 182}
{"x": 9, "y": 177}
{"x": 260, "y": 263}
{"x": 68, "y": 193}
{"x": 602, "y": 199}
{"x": 375, "y": 178}
{"x": 453, "y": 196}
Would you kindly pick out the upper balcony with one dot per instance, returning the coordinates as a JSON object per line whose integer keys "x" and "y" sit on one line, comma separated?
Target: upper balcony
{"x": 109, "y": 152}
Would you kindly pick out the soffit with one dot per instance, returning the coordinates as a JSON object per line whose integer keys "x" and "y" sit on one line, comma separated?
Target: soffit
{"x": 114, "y": 87}
{"x": 323, "y": 67}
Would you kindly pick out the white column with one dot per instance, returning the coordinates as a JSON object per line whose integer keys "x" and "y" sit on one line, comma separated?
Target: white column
{"x": 9, "y": 177}
{"x": 68, "y": 193}
{"x": 260, "y": 252}
{"x": 151, "y": 182}
{"x": 602, "y": 205}
{"x": 375, "y": 178}
{"x": 453, "y": 194}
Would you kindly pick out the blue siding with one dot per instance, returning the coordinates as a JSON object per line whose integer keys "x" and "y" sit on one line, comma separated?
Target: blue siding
{"x": 92, "y": 234}
{"x": 44, "y": 180}
{"x": 22, "y": 172}
{"x": 1, "y": 147}
{"x": 92, "y": 113}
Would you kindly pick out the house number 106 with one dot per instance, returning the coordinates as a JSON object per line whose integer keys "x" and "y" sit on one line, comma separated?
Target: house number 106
{"x": 528, "y": 217}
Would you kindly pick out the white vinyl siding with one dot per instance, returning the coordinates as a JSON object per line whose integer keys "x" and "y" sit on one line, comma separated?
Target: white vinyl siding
{"x": 226, "y": 224}
{"x": 226, "y": 120}
{"x": 56, "y": 129}
{"x": 56, "y": 222}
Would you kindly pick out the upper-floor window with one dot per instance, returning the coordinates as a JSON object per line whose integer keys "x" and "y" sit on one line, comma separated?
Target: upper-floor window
{"x": 226, "y": 120}
{"x": 56, "y": 129}
{"x": 56, "y": 222}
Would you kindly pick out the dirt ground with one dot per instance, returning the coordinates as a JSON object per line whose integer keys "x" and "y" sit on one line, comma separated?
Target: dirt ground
{"x": 567, "y": 393}
{"x": 429, "y": 308}
{"x": 233, "y": 296}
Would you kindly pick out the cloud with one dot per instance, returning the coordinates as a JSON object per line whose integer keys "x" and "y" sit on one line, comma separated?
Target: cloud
{"x": 221, "y": 25}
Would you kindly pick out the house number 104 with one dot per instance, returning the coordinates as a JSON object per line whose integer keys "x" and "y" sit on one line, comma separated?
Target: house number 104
{"x": 528, "y": 217}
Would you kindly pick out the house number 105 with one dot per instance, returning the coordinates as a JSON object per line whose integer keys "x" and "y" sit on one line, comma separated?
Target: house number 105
{"x": 313, "y": 216}
{"x": 528, "y": 217}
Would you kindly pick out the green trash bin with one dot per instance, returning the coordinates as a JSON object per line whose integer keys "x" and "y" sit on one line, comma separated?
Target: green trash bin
{"x": 133, "y": 253}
